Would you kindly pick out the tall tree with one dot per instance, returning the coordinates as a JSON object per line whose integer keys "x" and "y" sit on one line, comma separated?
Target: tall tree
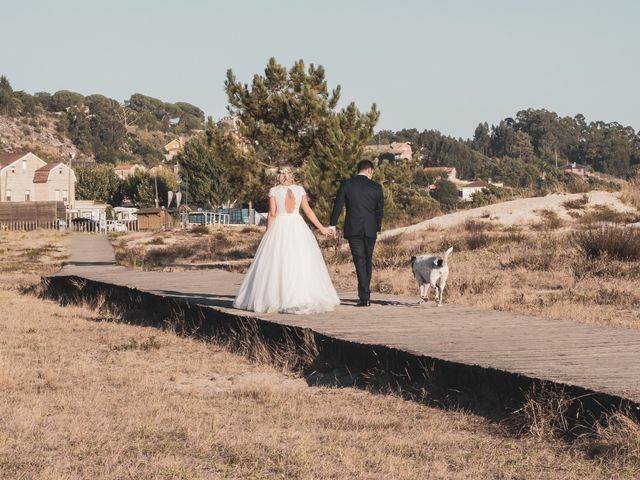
{"x": 482, "y": 138}
{"x": 98, "y": 183}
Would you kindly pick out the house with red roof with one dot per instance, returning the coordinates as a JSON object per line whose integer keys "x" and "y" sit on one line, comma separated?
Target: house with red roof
{"x": 24, "y": 177}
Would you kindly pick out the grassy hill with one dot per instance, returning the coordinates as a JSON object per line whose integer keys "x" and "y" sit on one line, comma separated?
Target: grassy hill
{"x": 94, "y": 127}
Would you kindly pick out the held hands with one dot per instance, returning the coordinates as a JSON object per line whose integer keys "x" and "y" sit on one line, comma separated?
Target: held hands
{"x": 328, "y": 232}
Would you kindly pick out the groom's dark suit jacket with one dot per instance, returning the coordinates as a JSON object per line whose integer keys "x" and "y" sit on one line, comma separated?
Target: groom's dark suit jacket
{"x": 365, "y": 203}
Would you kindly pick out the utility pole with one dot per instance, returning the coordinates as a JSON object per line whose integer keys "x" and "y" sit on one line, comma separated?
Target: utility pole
{"x": 71, "y": 156}
{"x": 155, "y": 179}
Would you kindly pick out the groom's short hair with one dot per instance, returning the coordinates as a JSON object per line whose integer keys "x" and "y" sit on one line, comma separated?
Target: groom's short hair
{"x": 364, "y": 165}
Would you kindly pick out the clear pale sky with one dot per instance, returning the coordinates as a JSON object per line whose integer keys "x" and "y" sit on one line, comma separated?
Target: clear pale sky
{"x": 444, "y": 65}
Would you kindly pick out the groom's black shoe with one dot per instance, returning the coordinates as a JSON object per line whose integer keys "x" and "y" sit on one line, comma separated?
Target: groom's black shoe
{"x": 363, "y": 303}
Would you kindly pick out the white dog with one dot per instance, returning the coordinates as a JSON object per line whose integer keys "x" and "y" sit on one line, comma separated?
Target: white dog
{"x": 431, "y": 271}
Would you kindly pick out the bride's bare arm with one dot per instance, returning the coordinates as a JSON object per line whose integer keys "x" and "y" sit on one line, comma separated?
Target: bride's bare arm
{"x": 272, "y": 212}
{"x": 308, "y": 211}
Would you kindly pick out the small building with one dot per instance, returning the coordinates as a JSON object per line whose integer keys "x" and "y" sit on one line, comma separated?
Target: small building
{"x": 467, "y": 190}
{"x": 125, "y": 170}
{"x": 125, "y": 213}
{"x": 92, "y": 209}
{"x": 155, "y": 219}
{"x": 24, "y": 177}
{"x": 397, "y": 150}
{"x": 448, "y": 173}
{"x": 173, "y": 148}
{"x": 576, "y": 169}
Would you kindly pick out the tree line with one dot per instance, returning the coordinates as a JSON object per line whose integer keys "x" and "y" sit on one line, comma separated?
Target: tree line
{"x": 518, "y": 150}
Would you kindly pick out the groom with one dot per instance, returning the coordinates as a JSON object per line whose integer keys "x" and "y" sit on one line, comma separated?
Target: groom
{"x": 365, "y": 202}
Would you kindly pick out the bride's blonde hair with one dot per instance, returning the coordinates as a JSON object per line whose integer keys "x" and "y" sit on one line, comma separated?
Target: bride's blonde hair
{"x": 285, "y": 175}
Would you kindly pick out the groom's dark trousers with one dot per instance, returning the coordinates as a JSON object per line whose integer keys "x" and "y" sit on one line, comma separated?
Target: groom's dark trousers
{"x": 364, "y": 201}
{"x": 362, "y": 253}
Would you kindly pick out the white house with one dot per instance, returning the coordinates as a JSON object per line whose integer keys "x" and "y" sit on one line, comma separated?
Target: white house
{"x": 24, "y": 177}
{"x": 467, "y": 190}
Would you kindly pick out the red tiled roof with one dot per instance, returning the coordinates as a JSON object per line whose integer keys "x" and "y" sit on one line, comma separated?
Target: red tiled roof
{"x": 42, "y": 174}
{"x": 123, "y": 166}
{"x": 9, "y": 158}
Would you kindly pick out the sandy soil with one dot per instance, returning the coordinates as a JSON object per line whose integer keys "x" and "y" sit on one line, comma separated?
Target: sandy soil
{"x": 515, "y": 212}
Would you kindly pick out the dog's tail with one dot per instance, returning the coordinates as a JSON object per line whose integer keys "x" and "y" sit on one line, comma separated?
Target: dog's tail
{"x": 446, "y": 255}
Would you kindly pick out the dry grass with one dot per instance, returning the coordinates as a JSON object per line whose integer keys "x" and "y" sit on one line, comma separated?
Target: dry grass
{"x": 606, "y": 214}
{"x": 201, "y": 247}
{"x": 576, "y": 204}
{"x": 608, "y": 242}
{"x": 82, "y": 397}
{"x": 549, "y": 220}
{"x": 631, "y": 192}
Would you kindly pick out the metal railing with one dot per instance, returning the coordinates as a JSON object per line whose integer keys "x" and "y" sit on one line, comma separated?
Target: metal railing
{"x": 88, "y": 225}
{"x": 205, "y": 218}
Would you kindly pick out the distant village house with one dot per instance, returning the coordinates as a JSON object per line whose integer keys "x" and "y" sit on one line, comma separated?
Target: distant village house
{"x": 397, "y": 150}
{"x": 173, "y": 148}
{"x": 467, "y": 190}
{"x": 576, "y": 169}
{"x": 24, "y": 177}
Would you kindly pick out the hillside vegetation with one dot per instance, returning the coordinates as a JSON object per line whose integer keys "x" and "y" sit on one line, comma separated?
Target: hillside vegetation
{"x": 93, "y": 126}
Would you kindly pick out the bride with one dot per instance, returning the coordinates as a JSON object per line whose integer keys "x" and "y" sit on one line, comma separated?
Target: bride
{"x": 288, "y": 273}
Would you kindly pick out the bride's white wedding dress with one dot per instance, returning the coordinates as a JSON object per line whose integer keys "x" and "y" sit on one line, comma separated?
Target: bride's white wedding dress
{"x": 288, "y": 273}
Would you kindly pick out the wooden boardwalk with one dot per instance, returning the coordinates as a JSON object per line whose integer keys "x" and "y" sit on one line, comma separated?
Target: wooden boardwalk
{"x": 601, "y": 359}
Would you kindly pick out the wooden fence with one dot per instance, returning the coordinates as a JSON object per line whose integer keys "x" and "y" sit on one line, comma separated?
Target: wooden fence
{"x": 32, "y": 215}
{"x": 26, "y": 216}
{"x": 32, "y": 225}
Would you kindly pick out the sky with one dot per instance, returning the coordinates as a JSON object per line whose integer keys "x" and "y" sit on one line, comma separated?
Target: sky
{"x": 444, "y": 65}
